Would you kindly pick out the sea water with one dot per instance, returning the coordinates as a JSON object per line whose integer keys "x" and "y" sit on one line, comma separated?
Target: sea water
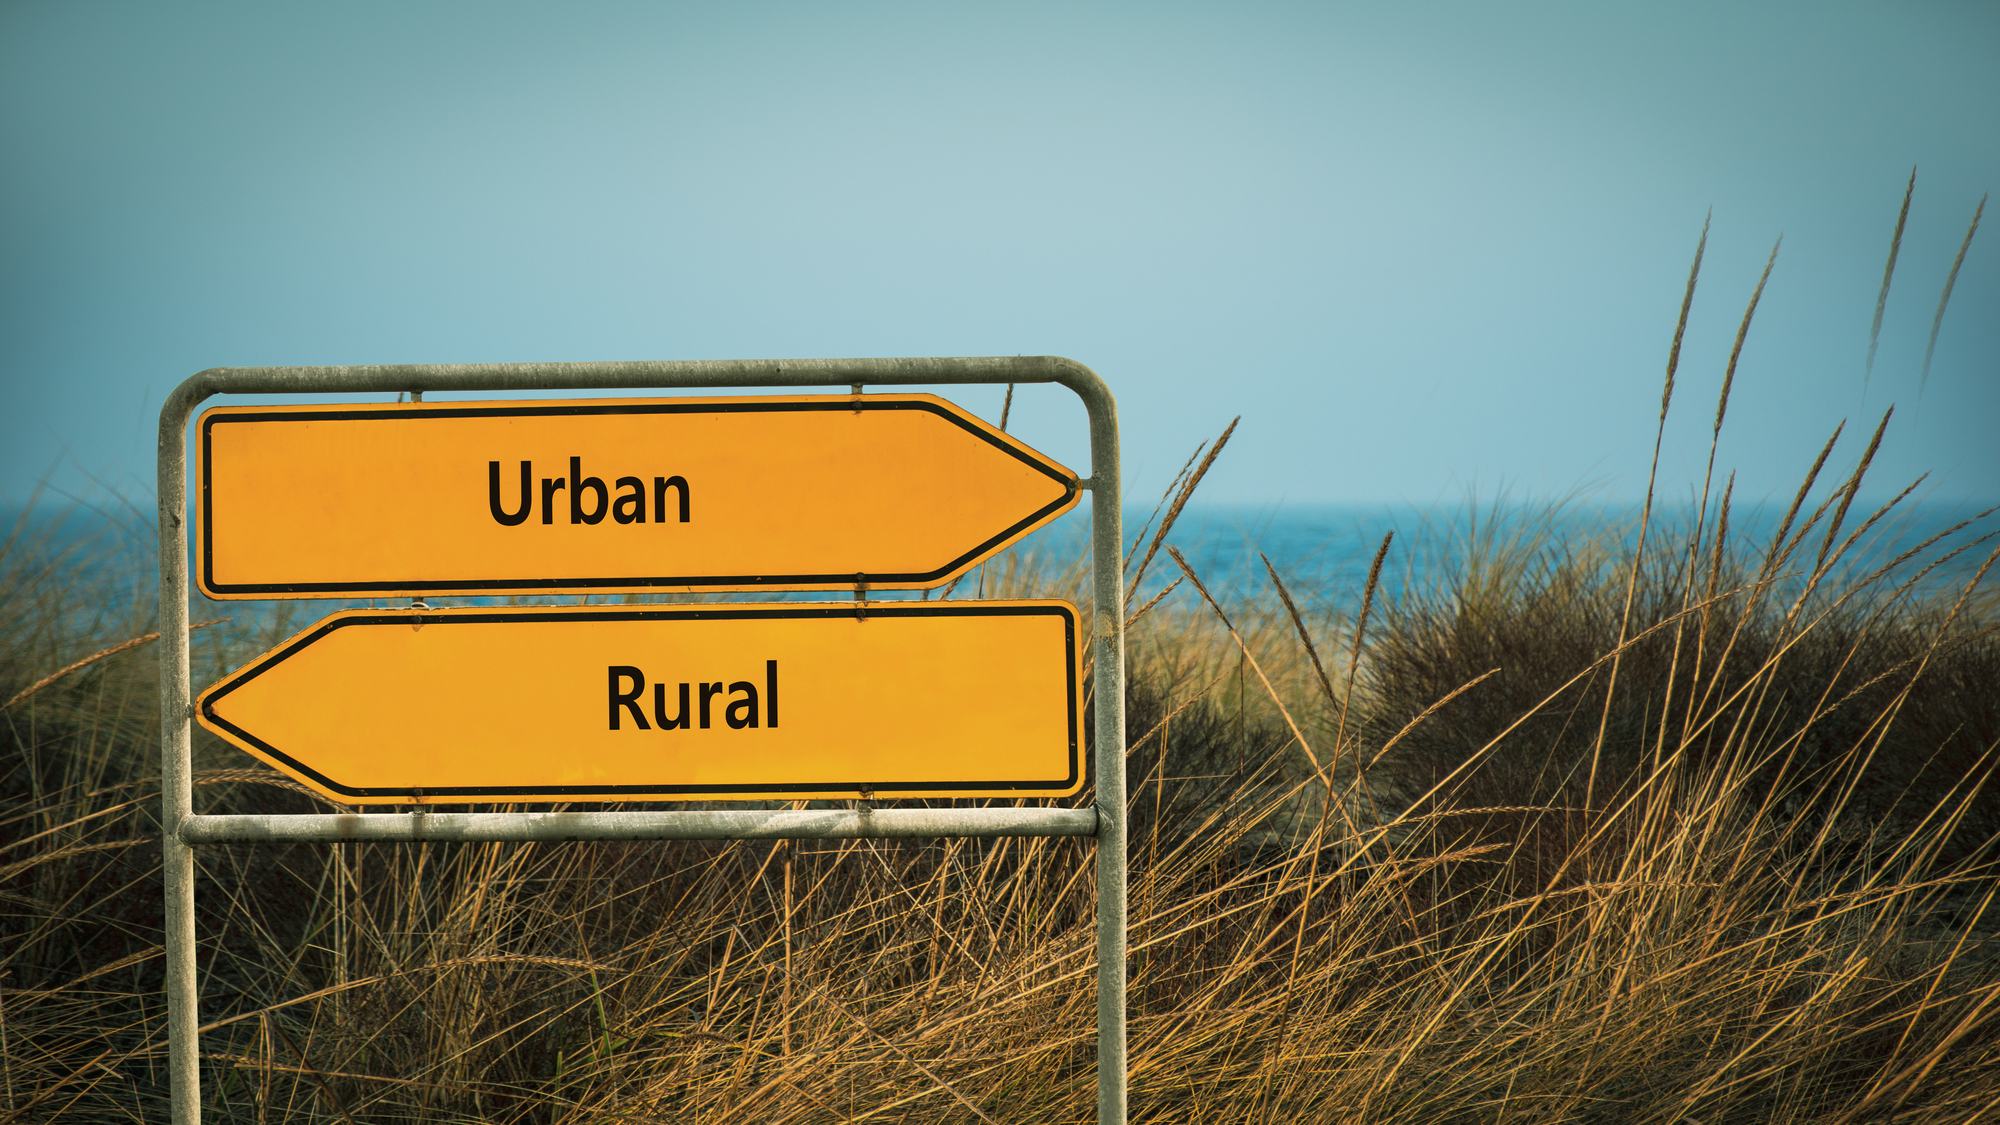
{"x": 1322, "y": 552}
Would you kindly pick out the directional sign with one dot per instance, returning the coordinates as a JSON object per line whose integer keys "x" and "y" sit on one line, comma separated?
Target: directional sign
{"x": 779, "y": 493}
{"x": 780, "y": 700}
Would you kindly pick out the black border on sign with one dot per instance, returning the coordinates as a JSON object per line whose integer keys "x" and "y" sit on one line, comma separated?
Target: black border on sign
{"x": 1021, "y": 453}
{"x": 432, "y": 620}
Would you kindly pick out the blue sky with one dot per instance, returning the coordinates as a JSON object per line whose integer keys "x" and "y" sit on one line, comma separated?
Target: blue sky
{"x": 1423, "y": 249}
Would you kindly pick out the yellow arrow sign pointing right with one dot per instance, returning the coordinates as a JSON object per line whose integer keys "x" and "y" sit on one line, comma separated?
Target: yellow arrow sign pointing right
{"x": 589, "y": 496}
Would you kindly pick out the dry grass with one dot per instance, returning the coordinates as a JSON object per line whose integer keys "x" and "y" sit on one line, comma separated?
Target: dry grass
{"x": 1713, "y": 844}
{"x": 1774, "y": 906}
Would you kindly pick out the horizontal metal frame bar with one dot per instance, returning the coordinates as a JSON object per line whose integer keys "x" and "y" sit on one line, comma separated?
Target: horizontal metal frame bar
{"x": 722, "y": 824}
{"x": 644, "y": 374}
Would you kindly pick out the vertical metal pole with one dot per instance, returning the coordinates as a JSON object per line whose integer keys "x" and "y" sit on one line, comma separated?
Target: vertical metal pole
{"x": 176, "y": 751}
{"x": 1107, "y": 552}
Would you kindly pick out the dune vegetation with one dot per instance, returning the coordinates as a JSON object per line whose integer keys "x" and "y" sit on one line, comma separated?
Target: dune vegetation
{"x": 1665, "y": 824}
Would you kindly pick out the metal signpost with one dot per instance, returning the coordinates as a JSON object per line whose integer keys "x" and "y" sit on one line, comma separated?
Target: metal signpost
{"x": 644, "y": 702}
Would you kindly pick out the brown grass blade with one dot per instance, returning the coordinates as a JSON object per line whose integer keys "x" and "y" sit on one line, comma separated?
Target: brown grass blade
{"x": 93, "y": 658}
{"x": 1299, "y": 624}
{"x": 1180, "y": 501}
{"x": 1944, "y": 298}
{"x": 1888, "y": 272}
{"x": 1269, "y": 689}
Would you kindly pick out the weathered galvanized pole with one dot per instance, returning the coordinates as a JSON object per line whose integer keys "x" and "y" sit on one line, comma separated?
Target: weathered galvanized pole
{"x": 177, "y": 758}
{"x": 1107, "y": 551}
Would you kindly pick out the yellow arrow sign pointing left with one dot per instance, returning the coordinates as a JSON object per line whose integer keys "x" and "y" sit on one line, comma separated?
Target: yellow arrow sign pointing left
{"x": 783, "y": 700}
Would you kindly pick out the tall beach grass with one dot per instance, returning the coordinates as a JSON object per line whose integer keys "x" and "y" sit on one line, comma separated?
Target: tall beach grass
{"x": 1659, "y": 825}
